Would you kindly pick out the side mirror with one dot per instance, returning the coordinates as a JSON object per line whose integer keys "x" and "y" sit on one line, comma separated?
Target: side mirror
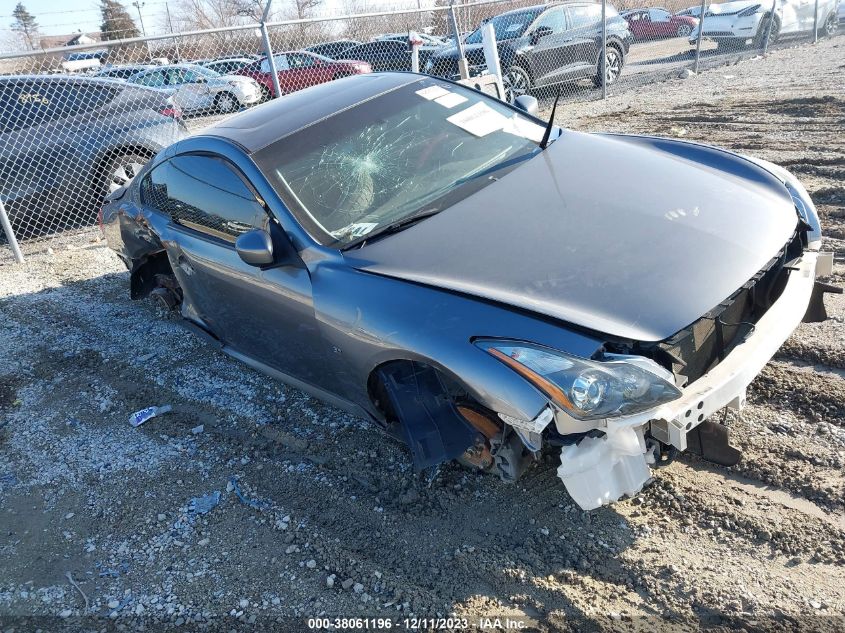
{"x": 540, "y": 33}
{"x": 527, "y": 104}
{"x": 255, "y": 247}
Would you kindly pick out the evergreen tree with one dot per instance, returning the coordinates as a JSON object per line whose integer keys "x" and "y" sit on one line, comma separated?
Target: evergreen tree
{"x": 117, "y": 23}
{"x": 25, "y": 25}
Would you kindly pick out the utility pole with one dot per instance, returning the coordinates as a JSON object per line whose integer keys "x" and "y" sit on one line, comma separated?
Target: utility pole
{"x": 170, "y": 24}
{"x": 268, "y": 50}
{"x": 138, "y": 6}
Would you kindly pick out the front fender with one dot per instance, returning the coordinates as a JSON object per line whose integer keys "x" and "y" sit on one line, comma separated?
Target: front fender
{"x": 369, "y": 319}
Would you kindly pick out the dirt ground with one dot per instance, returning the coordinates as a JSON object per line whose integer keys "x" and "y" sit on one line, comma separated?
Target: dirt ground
{"x": 319, "y": 514}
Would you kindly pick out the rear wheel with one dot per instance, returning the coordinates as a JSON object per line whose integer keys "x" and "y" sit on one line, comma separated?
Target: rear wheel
{"x": 226, "y": 102}
{"x": 516, "y": 82}
{"x": 612, "y": 67}
{"x": 120, "y": 169}
{"x": 266, "y": 95}
{"x": 684, "y": 30}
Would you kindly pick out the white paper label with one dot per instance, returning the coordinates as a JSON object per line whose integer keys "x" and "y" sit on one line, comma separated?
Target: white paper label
{"x": 450, "y": 100}
{"x": 432, "y": 92}
{"x": 478, "y": 120}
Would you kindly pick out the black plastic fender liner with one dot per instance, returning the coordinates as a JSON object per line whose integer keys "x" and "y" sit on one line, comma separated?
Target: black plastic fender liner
{"x": 431, "y": 425}
{"x": 816, "y": 312}
{"x": 711, "y": 440}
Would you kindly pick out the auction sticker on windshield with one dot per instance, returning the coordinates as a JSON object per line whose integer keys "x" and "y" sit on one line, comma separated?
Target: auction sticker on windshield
{"x": 432, "y": 92}
{"x": 479, "y": 120}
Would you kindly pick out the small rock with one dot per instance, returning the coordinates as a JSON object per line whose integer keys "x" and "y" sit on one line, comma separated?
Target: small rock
{"x": 198, "y": 429}
{"x": 69, "y": 515}
{"x": 330, "y": 581}
{"x": 686, "y": 73}
{"x": 162, "y": 517}
{"x": 346, "y": 584}
{"x": 139, "y": 609}
{"x": 815, "y": 604}
{"x": 203, "y": 542}
{"x": 244, "y": 603}
{"x": 311, "y": 564}
{"x": 114, "y": 604}
{"x": 358, "y": 587}
{"x": 65, "y": 613}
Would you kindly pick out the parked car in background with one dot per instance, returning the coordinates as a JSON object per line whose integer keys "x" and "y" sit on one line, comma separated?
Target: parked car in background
{"x": 544, "y": 45}
{"x": 694, "y": 11}
{"x": 299, "y": 69}
{"x": 228, "y": 65}
{"x": 425, "y": 38}
{"x": 653, "y": 23}
{"x": 745, "y": 22}
{"x": 345, "y": 240}
{"x": 334, "y": 49}
{"x": 200, "y": 89}
{"x": 387, "y": 55}
{"x": 65, "y": 142}
{"x": 122, "y": 72}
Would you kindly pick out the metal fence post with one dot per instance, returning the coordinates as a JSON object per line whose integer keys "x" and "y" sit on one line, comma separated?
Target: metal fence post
{"x": 268, "y": 50}
{"x": 769, "y": 28}
{"x": 700, "y": 35}
{"x": 603, "y": 64}
{"x": 463, "y": 67}
{"x": 816, "y": 23}
{"x": 491, "y": 55}
{"x": 10, "y": 235}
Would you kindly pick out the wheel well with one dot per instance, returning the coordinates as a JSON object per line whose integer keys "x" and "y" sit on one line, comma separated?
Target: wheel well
{"x": 142, "y": 279}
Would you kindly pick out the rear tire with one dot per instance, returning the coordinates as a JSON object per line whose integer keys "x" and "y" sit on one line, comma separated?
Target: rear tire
{"x": 120, "y": 169}
{"x": 613, "y": 65}
{"x": 266, "y": 95}
{"x": 684, "y": 30}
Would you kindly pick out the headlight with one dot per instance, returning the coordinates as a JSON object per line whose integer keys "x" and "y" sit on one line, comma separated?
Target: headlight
{"x": 749, "y": 11}
{"x": 588, "y": 389}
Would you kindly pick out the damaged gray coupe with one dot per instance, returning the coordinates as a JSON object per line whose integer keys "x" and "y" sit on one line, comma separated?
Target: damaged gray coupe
{"x": 484, "y": 286}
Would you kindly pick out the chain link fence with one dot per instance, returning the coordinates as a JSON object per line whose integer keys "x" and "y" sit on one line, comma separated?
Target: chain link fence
{"x": 78, "y": 122}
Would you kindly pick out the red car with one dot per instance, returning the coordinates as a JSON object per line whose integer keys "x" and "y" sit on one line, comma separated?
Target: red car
{"x": 300, "y": 69}
{"x": 646, "y": 24}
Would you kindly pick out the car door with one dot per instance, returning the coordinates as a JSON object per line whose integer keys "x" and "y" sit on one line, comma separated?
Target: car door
{"x": 306, "y": 70}
{"x": 549, "y": 56}
{"x": 585, "y": 27}
{"x": 661, "y": 22}
{"x": 265, "y": 314}
{"x": 192, "y": 88}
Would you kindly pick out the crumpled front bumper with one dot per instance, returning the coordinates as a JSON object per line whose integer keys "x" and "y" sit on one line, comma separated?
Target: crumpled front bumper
{"x": 598, "y": 471}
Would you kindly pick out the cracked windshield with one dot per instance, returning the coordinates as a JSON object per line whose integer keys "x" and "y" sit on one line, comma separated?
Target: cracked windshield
{"x": 413, "y": 151}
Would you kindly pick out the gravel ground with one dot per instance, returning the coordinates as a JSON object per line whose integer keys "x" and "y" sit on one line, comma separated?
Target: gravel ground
{"x": 319, "y": 514}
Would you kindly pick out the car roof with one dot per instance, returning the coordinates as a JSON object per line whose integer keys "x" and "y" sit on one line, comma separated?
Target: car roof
{"x": 258, "y": 127}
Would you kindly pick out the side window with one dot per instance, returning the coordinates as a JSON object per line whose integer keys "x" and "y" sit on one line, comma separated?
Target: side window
{"x": 585, "y": 16}
{"x": 87, "y": 98}
{"x": 153, "y": 80}
{"x": 555, "y": 19}
{"x": 298, "y": 60}
{"x": 281, "y": 62}
{"x": 205, "y": 194}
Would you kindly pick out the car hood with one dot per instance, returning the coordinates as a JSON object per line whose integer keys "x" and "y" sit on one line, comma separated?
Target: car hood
{"x": 730, "y": 8}
{"x": 634, "y": 237}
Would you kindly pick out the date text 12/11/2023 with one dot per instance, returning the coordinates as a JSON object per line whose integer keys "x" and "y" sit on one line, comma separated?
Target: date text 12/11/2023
{"x": 488, "y": 623}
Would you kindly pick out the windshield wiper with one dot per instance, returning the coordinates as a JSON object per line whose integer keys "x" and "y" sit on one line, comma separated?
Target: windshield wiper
{"x": 393, "y": 227}
{"x": 496, "y": 167}
{"x": 545, "y": 142}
